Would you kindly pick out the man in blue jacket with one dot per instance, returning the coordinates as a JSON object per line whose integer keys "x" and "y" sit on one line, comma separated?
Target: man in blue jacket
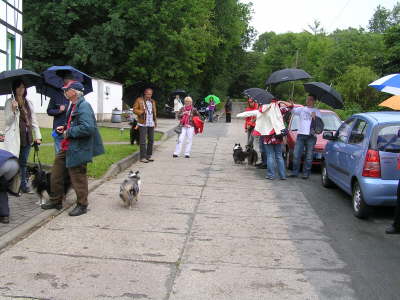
{"x": 57, "y": 108}
{"x": 81, "y": 142}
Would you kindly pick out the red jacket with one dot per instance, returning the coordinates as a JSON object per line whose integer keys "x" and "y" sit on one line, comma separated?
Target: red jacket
{"x": 250, "y": 121}
{"x": 198, "y": 125}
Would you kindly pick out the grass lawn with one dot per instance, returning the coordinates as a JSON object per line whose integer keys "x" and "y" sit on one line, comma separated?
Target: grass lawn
{"x": 100, "y": 165}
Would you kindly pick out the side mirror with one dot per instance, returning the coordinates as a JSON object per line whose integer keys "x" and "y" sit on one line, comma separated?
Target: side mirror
{"x": 328, "y": 136}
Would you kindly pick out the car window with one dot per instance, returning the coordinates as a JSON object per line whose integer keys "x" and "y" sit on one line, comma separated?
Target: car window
{"x": 344, "y": 130}
{"x": 388, "y": 138}
{"x": 331, "y": 121}
{"x": 359, "y": 129}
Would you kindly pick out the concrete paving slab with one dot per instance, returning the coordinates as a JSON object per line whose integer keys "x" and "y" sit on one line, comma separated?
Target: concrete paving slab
{"x": 64, "y": 277}
{"x": 228, "y": 282}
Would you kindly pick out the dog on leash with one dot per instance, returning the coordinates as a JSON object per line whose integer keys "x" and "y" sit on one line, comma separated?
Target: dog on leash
{"x": 251, "y": 154}
{"x": 130, "y": 189}
{"x": 41, "y": 182}
{"x": 134, "y": 132}
{"x": 239, "y": 155}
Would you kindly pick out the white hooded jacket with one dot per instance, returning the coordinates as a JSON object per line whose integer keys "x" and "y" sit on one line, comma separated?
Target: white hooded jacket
{"x": 270, "y": 118}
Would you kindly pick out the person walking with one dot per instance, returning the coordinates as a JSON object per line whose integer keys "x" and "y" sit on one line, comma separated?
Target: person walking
{"x": 250, "y": 122}
{"x": 211, "y": 109}
{"x": 8, "y": 169}
{"x": 82, "y": 142}
{"x": 57, "y": 108}
{"x": 177, "y": 106}
{"x": 228, "y": 110}
{"x": 21, "y": 129}
{"x": 186, "y": 115}
{"x": 305, "y": 139}
{"x": 145, "y": 109}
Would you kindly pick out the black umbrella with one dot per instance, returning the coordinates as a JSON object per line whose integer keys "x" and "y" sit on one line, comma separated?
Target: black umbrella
{"x": 133, "y": 92}
{"x": 181, "y": 93}
{"x": 8, "y": 77}
{"x": 287, "y": 75}
{"x": 324, "y": 93}
{"x": 259, "y": 95}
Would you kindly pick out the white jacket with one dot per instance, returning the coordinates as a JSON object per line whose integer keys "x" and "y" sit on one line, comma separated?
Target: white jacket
{"x": 270, "y": 118}
{"x": 177, "y": 104}
{"x": 12, "y": 139}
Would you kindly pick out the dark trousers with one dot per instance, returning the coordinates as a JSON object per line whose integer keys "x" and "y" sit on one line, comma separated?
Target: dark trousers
{"x": 146, "y": 149}
{"x": 396, "y": 222}
{"x": 78, "y": 177}
{"x": 23, "y": 160}
{"x": 228, "y": 117}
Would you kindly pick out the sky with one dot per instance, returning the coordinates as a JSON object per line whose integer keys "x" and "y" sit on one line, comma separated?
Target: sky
{"x": 295, "y": 15}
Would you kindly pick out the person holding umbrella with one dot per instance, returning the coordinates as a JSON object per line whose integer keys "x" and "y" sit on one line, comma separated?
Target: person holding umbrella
{"x": 145, "y": 109}
{"x": 305, "y": 138}
{"x": 250, "y": 122}
{"x": 57, "y": 108}
{"x": 211, "y": 109}
{"x": 21, "y": 128}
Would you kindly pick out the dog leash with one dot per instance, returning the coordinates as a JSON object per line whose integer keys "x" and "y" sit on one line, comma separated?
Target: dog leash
{"x": 36, "y": 158}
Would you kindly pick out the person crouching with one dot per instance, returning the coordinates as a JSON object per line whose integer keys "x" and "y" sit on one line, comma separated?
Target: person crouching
{"x": 185, "y": 115}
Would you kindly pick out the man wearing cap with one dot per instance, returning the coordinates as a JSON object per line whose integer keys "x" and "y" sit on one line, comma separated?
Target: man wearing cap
{"x": 145, "y": 109}
{"x": 81, "y": 143}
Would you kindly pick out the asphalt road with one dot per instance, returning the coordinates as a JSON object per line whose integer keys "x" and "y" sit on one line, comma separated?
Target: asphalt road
{"x": 372, "y": 257}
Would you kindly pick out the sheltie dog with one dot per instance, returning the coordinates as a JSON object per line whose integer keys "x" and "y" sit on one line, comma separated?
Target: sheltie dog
{"x": 130, "y": 189}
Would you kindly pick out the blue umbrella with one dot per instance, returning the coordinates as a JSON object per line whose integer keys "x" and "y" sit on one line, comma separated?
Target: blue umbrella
{"x": 388, "y": 84}
{"x": 53, "y": 77}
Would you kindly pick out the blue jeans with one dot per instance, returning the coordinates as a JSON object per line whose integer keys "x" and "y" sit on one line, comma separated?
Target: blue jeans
{"x": 210, "y": 115}
{"x": 23, "y": 159}
{"x": 274, "y": 156}
{"x": 307, "y": 141}
{"x": 57, "y": 142}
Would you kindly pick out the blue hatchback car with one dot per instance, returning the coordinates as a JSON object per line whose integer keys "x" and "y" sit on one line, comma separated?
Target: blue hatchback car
{"x": 363, "y": 159}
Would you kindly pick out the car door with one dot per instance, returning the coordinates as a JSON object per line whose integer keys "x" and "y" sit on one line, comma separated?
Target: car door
{"x": 335, "y": 166}
{"x": 387, "y": 140}
{"x": 352, "y": 154}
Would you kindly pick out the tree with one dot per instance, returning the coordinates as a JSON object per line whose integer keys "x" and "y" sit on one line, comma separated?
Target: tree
{"x": 263, "y": 42}
{"x": 316, "y": 28}
{"x": 392, "y": 54}
{"x": 380, "y": 21}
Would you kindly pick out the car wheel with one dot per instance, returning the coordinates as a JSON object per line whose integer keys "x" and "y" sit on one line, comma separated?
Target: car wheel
{"x": 288, "y": 160}
{"x": 360, "y": 208}
{"x": 326, "y": 182}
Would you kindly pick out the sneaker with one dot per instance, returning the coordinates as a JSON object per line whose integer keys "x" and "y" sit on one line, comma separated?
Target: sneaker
{"x": 144, "y": 160}
{"x": 78, "y": 210}
{"x": 174, "y": 155}
{"x": 269, "y": 177}
{"x": 150, "y": 159}
{"x": 283, "y": 178}
{"x": 392, "y": 230}
{"x": 52, "y": 205}
{"x": 5, "y": 220}
{"x": 187, "y": 156}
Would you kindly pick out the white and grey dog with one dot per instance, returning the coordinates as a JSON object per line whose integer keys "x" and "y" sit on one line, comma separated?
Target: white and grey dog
{"x": 130, "y": 189}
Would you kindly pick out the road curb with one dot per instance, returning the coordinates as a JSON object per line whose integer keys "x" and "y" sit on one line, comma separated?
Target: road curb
{"x": 21, "y": 231}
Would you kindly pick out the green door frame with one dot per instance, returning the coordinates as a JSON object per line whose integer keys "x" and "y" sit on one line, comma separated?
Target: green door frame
{"x": 11, "y": 52}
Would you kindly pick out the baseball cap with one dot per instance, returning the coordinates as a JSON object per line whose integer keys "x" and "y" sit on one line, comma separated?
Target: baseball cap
{"x": 73, "y": 85}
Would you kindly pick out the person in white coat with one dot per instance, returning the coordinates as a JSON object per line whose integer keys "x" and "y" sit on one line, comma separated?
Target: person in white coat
{"x": 21, "y": 128}
{"x": 177, "y": 105}
{"x": 185, "y": 115}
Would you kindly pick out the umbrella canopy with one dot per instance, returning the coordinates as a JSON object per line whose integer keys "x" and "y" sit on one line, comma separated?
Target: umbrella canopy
{"x": 8, "y": 77}
{"x": 54, "y": 76}
{"x": 181, "y": 93}
{"x": 212, "y": 97}
{"x": 133, "y": 92}
{"x": 287, "y": 75}
{"x": 388, "y": 84}
{"x": 393, "y": 103}
{"x": 259, "y": 95}
{"x": 324, "y": 93}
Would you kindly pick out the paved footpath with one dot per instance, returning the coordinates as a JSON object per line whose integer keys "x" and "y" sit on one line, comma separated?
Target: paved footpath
{"x": 203, "y": 228}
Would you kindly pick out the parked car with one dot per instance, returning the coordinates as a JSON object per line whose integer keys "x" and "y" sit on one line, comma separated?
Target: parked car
{"x": 331, "y": 123}
{"x": 363, "y": 159}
